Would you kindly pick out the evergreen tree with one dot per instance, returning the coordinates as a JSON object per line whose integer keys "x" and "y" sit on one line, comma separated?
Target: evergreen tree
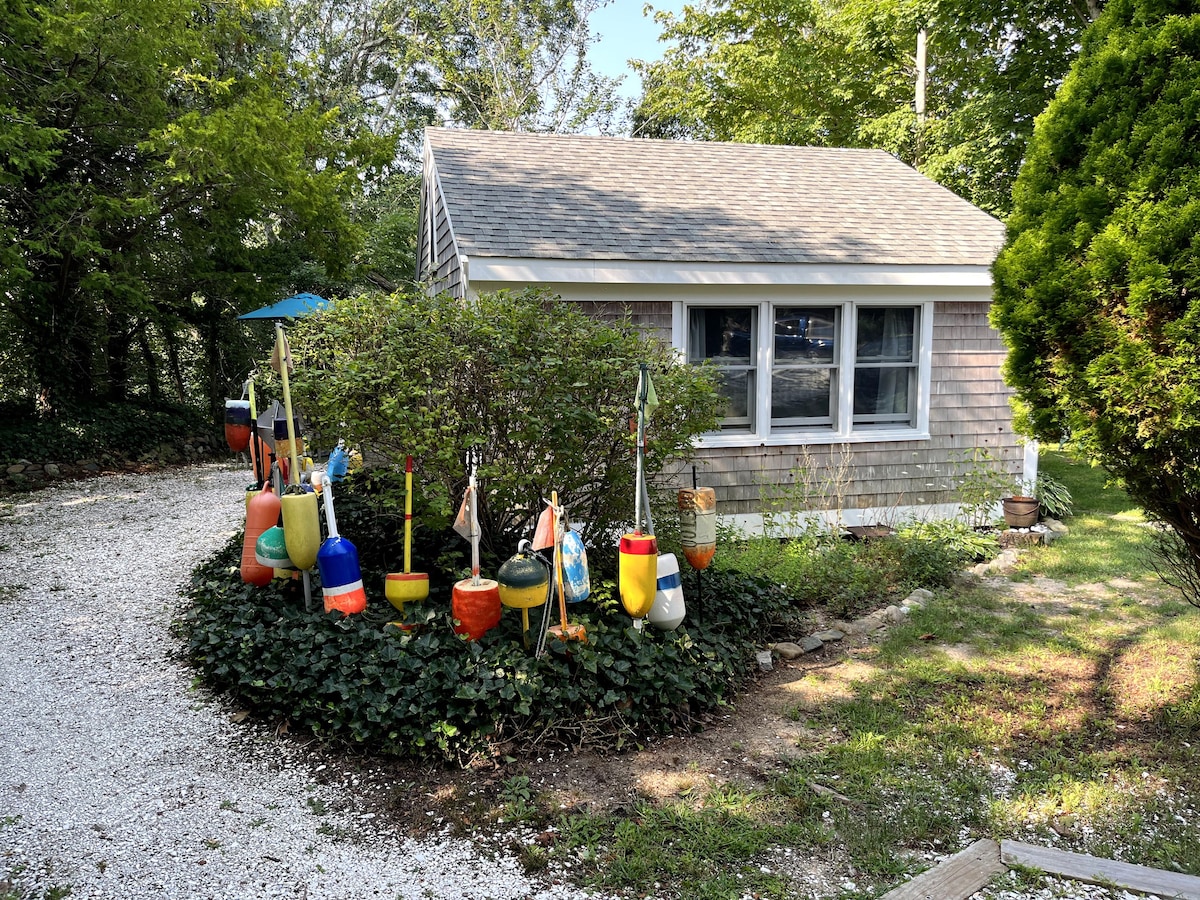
{"x": 1098, "y": 289}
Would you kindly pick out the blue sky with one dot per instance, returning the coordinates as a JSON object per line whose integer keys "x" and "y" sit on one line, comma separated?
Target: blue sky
{"x": 626, "y": 34}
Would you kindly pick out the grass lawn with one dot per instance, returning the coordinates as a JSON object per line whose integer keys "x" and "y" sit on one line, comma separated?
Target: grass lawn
{"x": 1059, "y": 707}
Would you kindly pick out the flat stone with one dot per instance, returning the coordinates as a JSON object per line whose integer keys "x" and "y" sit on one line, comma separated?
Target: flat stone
{"x": 919, "y": 597}
{"x": 765, "y": 661}
{"x": 15, "y": 469}
{"x": 788, "y": 650}
{"x": 866, "y": 625}
{"x": 829, "y": 634}
{"x": 895, "y": 614}
{"x": 52, "y": 470}
{"x": 1020, "y": 538}
{"x": 811, "y": 644}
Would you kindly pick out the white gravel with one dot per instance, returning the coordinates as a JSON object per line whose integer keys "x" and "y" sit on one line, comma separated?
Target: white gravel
{"x": 117, "y": 779}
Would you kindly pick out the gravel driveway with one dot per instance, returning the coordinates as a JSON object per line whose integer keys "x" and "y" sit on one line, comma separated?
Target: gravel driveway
{"x": 117, "y": 779}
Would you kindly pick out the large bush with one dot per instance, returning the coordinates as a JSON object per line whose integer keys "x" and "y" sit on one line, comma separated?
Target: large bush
{"x": 542, "y": 392}
{"x": 1098, "y": 290}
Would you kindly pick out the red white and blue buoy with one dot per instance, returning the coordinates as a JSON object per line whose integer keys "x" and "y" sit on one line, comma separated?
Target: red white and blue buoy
{"x": 337, "y": 561}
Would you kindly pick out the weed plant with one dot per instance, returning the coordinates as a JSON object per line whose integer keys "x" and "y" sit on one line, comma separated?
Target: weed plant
{"x": 849, "y": 578}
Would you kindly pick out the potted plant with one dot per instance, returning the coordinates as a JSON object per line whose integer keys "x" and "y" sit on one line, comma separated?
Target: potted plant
{"x": 1021, "y": 510}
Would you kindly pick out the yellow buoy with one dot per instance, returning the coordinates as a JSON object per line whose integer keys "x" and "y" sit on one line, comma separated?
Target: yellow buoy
{"x": 301, "y": 528}
{"x": 405, "y": 587}
{"x": 524, "y": 584}
{"x": 638, "y": 573}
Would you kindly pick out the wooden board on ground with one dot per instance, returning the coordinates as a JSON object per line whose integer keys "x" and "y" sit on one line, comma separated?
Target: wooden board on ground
{"x": 1101, "y": 871}
{"x": 956, "y": 877}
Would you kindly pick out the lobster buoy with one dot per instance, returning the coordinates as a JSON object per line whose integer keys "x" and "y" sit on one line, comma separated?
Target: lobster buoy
{"x": 301, "y": 527}
{"x": 637, "y": 573}
{"x": 523, "y": 584}
{"x": 476, "y": 606}
{"x": 271, "y": 550}
{"x": 576, "y": 584}
{"x": 337, "y": 561}
{"x": 341, "y": 577}
{"x": 336, "y": 467}
{"x": 283, "y": 444}
{"x": 237, "y": 424}
{"x": 405, "y": 587}
{"x": 698, "y": 525}
{"x": 262, "y": 513}
{"x": 667, "y": 611}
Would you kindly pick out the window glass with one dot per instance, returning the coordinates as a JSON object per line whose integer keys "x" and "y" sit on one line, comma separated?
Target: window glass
{"x": 801, "y": 394}
{"x": 804, "y": 377}
{"x": 885, "y": 334}
{"x": 885, "y": 365}
{"x": 804, "y": 335}
{"x": 726, "y": 337}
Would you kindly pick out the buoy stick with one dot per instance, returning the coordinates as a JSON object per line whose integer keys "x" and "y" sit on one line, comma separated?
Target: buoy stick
{"x": 330, "y": 518}
{"x": 407, "y": 514}
{"x": 285, "y": 358}
{"x": 474, "y": 523}
{"x": 558, "y": 569}
{"x": 254, "y": 433}
{"x": 639, "y": 487}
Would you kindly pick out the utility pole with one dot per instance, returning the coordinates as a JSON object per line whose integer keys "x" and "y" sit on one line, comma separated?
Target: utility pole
{"x": 919, "y": 98}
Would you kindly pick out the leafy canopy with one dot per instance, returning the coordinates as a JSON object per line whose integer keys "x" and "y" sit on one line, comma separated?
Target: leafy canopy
{"x": 843, "y": 73}
{"x": 1098, "y": 289}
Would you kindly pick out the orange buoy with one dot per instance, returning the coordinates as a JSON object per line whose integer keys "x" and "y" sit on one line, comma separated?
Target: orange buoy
{"x": 637, "y": 573}
{"x": 301, "y": 527}
{"x": 698, "y": 525}
{"x": 475, "y": 603}
{"x": 262, "y": 513}
{"x": 237, "y": 424}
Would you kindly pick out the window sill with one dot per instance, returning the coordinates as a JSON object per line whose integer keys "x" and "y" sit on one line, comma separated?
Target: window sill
{"x": 802, "y": 438}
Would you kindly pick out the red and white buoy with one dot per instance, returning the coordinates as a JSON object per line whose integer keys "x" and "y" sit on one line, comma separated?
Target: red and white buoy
{"x": 474, "y": 601}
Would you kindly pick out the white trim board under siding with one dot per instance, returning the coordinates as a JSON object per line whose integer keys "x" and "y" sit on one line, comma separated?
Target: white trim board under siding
{"x": 509, "y": 270}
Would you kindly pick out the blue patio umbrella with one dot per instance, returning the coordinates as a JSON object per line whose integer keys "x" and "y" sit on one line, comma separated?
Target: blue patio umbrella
{"x": 294, "y": 307}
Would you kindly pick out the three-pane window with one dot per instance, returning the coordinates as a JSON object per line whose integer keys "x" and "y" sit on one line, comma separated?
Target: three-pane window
{"x": 831, "y": 367}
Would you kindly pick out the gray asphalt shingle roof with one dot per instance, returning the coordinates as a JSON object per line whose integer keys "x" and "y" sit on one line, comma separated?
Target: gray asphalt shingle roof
{"x": 587, "y": 197}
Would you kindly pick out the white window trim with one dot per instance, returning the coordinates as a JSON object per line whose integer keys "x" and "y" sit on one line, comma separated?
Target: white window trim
{"x": 842, "y": 432}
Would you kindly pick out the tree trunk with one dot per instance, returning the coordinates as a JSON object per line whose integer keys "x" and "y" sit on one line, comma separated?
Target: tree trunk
{"x": 172, "y": 342}
{"x": 151, "y": 362}
{"x": 120, "y": 339}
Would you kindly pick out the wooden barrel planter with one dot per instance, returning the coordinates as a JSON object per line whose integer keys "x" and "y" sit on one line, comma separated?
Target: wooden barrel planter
{"x": 1020, "y": 512}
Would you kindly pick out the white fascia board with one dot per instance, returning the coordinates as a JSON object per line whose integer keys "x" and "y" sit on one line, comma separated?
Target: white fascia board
{"x": 515, "y": 270}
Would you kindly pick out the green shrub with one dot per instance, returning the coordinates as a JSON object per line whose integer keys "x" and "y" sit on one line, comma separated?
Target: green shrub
{"x": 849, "y": 578}
{"x": 356, "y": 680}
{"x": 542, "y": 392}
{"x": 960, "y": 542}
{"x": 124, "y": 430}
